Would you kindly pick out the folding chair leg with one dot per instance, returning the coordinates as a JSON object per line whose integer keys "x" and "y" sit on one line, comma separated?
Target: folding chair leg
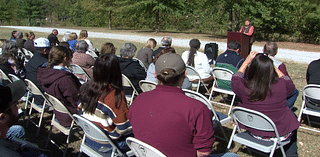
{"x": 231, "y": 138}
{"x": 48, "y": 139}
{"x": 283, "y": 152}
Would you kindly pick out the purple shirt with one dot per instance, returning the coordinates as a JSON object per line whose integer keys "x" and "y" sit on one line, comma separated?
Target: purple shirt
{"x": 274, "y": 105}
{"x": 172, "y": 122}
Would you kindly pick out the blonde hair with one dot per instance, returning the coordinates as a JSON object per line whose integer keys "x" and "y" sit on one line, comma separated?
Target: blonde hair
{"x": 73, "y": 36}
{"x": 83, "y": 34}
{"x": 151, "y": 43}
{"x": 108, "y": 48}
{"x": 57, "y": 55}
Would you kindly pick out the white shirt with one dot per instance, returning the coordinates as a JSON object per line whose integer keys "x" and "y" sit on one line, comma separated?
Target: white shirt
{"x": 201, "y": 64}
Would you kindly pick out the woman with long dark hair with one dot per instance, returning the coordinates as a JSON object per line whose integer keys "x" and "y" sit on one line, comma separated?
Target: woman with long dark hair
{"x": 199, "y": 61}
{"x": 103, "y": 101}
{"x": 266, "y": 90}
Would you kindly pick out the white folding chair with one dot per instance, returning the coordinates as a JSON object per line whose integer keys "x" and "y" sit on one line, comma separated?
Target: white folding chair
{"x": 191, "y": 71}
{"x": 141, "y": 63}
{"x": 127, "y": 83}
{"x": 78, "y": 72}
{"x": 5, "y": 77}
{"x": 146, "y": 86}
{"x": 259, "y": 121}
{"x": 27, "y": 53}
{"x": 218, "y": 118}
{"x": 13, "y": 78}
{"x": 58, "y": 106}
{"x": 33, "y": 90}
{"x": 310, "y": 104}
{"x": 92, "y": 54}
{"x": 222, "y": 74}
{"x": 142, "y": 149}
{"x": 95, "y": 133}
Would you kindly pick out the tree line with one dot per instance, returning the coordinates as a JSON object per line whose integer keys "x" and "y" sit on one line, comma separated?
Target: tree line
{"x": 288, "y": 20}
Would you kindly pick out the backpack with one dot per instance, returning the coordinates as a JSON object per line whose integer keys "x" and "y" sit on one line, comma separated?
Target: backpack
{"x": 211, "y": 50}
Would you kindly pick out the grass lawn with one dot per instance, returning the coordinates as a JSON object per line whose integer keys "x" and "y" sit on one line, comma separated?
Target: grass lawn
{"x": 307, "y": 141}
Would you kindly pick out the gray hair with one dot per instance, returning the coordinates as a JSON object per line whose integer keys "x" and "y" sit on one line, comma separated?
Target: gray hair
{"x": 128, "y": 50}
{"x": 19, "y": 34}
{"x": 166, "y": 41}
{"x": 65, "y": 36}
{"x": 81, "y": 46}
{"x": 271, "y": 48}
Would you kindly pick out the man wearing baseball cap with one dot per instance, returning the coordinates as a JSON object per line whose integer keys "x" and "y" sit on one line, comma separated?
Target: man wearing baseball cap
{"x": 42, "y": 47}
{"x": 167, "y": 119}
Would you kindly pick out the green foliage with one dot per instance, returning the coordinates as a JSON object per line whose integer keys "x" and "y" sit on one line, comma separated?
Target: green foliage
{"x": 32, "y": 10}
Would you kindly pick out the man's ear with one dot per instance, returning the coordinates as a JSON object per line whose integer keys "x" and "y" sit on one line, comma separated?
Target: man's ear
{"x": 185, "y": 74}
{"x": 155, "y": 75}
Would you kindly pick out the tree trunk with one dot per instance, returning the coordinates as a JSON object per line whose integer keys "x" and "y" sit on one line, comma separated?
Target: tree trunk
{"x": 110, "y": 3}
{"x": 157, "y": 21}
{"x": 230, "y": 20}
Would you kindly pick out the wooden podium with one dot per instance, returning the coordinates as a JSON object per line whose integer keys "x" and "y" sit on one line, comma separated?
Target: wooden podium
{"x": 243, "y": 39}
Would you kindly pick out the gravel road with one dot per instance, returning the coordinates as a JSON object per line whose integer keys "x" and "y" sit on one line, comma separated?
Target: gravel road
{"x": 294, "y": 55}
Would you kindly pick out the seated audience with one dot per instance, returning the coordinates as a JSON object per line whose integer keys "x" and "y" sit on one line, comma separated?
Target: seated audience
{"x": 313, "y": 72}
{"x": 271, "y": 48}
{"x": 108, "y": 48}
{"x": 167, "y": 119}
{"x": 60, "y": 82}
{"x": 150, "y": 73}
{"x": 103, "y": 102}
{"x": 53, "y": 38}
{"x": 165, "y": 42}
{"x": 145, "y": 54}
{"x": 199, "y": 61}
{"x": 29, "y": 45}
{"x": 132, "y": 69}
{"x": 72, "y": 41}
{"x": 19, "y": 40}
{"x": 231, "y": 60}
{"x": 82, "y": 59}
{"x": 10, "y": 62}
{"x": 9, "y": 96}
{"x": 266, "y": 90}
{"x": 83, "y": 36}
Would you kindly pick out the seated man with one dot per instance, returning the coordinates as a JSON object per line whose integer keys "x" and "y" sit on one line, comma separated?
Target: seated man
{"x": 167, "y": 119}
{"x": 271, "y": 48}
{"x": 132, "y": 69}
{"x": 9, "y": 97}
{"x": 231, "y": 60}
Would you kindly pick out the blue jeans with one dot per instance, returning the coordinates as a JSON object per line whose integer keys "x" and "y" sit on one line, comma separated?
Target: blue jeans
{"x": 15, "y": 131}
{"x": 224, "y": 155}
{"x": 292, "y": 99}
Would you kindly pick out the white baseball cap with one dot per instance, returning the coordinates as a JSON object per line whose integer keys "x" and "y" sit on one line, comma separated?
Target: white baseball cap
{"x": 41, "y": 42}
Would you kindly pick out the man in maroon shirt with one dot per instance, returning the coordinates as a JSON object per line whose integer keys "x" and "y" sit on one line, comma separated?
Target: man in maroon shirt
{"x": 167, "y": 119}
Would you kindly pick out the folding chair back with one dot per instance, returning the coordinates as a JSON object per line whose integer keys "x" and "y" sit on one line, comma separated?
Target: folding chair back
{"x": 127, "y": 83}
{"x": 146, "y": 86}
{"x": 310, "y": 104}
{"x": 141, "y": 63}
{"x": 5, "y": 77}
{"x": 225, "y": 75}
{"x": 58, "y": 106}
{"x": 96, "y": 133}
{"x": 35, "y": 91}
{"x": 79, "y": 72}
{"x": 191, "y": 71}
{"x": 14, "y": 77}
{"x": 92, "y": 54}
{"x": 27, "y": 53}
{"x": 142, "y": 149}
{"x": 259, "y": 121}
{"x": 218, "y": 118}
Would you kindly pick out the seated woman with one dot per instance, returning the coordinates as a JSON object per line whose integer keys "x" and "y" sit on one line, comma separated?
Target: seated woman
{"x": 103, "y": 102}
{"x": 72, "y": 40}
{"x": 145, "y": 54}
{"x": 132, "y": 69}
{"x": 58, "y": 81}
{"x": 199, "y": 61}
{"x": 82, "y": 59}
{"x": 266, "y": 90}
{"x": 108, "y": 48}
{"x": 83, "y": 36}
{"x": 10, "y": 62}
{"x": 150, "y": 73}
